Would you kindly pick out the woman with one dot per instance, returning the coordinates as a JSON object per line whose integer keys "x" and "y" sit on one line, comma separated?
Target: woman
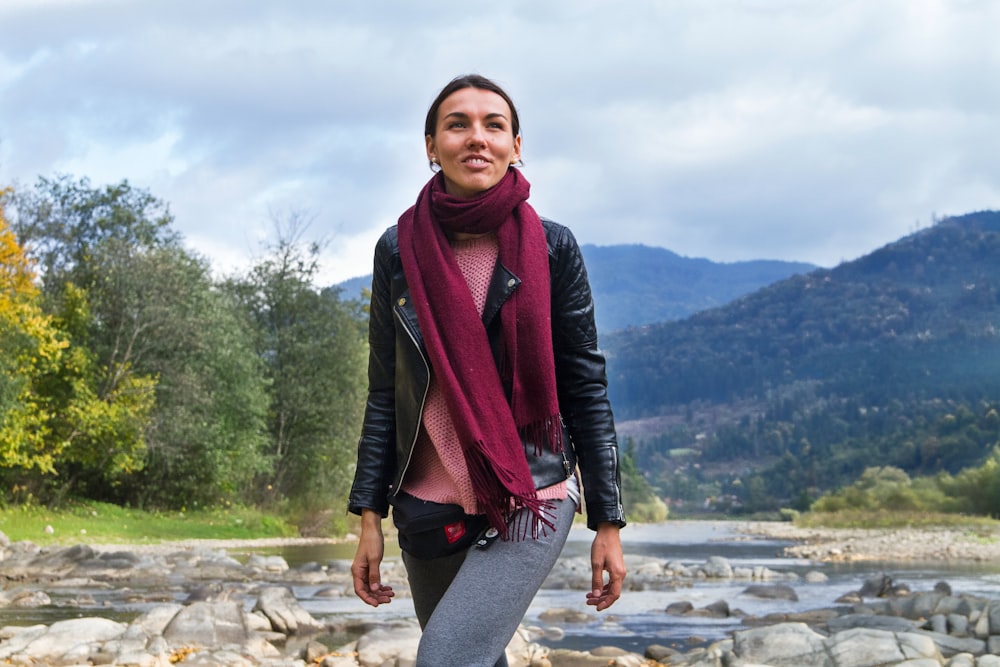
{"x": 486, "y": 392}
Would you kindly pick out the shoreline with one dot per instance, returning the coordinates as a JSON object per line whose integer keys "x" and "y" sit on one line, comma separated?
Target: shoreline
{"x": 171, "y": 546}
{"x": 924, "y": 544}
{"x": 910, "y": 545}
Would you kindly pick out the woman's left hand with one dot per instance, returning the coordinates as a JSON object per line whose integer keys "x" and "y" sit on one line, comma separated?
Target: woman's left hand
{"x": 606, "y": 556}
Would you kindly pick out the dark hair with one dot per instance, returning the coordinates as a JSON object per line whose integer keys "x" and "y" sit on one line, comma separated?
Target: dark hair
{"x": 469, "y": 81}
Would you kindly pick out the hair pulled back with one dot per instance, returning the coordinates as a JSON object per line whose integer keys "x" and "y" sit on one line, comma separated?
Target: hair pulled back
{"x": 469, "y": 81}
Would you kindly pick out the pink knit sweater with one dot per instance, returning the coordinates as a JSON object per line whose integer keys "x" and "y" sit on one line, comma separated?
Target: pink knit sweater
{"x": 437, "y": 470}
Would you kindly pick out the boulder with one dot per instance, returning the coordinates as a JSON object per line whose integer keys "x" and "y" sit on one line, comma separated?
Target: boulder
{"x": 876, "y": 586}
{"x": 717, "y": 567}
{"x": 287, "y": 616}
{"x": 783, "y": 645}
{"x": 391, "y": 643}
{"x": 870, "y": 622}
{"x": 207, "y": 625}
{"x": 862, "y": 647}
{"x": 62, "y": 638}
{"x": 772, "y": 592}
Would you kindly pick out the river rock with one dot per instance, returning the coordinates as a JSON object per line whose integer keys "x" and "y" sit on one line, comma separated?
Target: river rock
{"x": 287, "y": 616}
{"x": 958, "y": 625}
{"x": 815, "y": 577}
{"x": 772, "y": 592}
{"x": 870, "y": 622}
{"x": 564, "y": 615}
{"x": 392, "y": 641}
{"x": 207, "y": 625}
{"x": 717, "y": 609}
{"x": 791, "y": 644}
{"x": 876, "y": 586}
{"x": 619, "y": 658}
{"x": 717, "y": 567}
{"x": 28, "y": 599}
{"x": 950, "y": 645}
{"x": 49, "y": 645}
{"x": 267, "y": 563}
{"x": 679, "y": 608}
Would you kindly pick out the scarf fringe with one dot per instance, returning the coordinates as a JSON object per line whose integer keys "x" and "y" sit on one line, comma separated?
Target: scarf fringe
{"x": 496, "y": 496}
{"x": 546, "y": 431}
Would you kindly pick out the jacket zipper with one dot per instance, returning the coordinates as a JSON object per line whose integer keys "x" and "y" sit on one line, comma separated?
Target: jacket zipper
{"x": 423, "y": 399}
{"x": 617, "y": 487}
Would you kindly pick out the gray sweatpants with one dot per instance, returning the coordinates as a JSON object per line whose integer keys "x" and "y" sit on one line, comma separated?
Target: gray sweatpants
{"x": 469, "y": 605}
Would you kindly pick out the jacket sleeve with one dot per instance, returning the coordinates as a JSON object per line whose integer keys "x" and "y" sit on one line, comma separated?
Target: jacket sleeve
{"x": 377, "y": 446}
{"x": 582, "y": 381}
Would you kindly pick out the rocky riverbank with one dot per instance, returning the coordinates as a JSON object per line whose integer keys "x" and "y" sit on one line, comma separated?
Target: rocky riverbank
{"x": 941, "y": 545}
{"x": 197, "y": 605}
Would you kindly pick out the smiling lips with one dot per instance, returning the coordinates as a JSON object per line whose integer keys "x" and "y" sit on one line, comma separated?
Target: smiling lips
{"x": 476, "y": 161}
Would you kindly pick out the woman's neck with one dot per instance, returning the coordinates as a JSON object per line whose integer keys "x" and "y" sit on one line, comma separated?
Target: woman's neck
{"x": 464, "y": 236}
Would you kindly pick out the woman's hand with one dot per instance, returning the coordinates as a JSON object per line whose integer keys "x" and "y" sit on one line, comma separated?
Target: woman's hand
{"x": 606, "y": 556}
{"x": 365, "y": 568}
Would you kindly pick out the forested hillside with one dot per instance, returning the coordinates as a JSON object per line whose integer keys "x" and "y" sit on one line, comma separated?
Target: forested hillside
{"x": 635, "y": 285}
{"x": 890, "y": 359}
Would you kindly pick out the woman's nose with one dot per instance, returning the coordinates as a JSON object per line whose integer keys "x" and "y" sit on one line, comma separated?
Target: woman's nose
{"x": 477, "y": 137}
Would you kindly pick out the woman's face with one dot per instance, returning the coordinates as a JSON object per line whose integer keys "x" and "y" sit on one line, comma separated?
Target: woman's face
{"x": 473, "y": 141}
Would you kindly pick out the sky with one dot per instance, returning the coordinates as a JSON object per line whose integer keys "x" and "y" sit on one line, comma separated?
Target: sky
{"x": 801, "y": 130}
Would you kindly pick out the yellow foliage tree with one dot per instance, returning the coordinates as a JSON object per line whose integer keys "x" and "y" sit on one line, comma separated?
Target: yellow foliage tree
{"x": 52, "y": 418}
{"x": 30, "y": 347}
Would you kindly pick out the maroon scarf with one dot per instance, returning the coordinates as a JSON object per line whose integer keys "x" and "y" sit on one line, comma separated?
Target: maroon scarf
{"x": 488, "y": 428}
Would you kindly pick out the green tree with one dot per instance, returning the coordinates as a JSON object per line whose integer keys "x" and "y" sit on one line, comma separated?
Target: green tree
{"x": 638, "y": 496}
{"x": 52, "y": 417}
{"x": 154, "y": 314}
{"x": 30, "y": 346}
{"x": 315, "y": 350}
{"x": 208, "y": 442}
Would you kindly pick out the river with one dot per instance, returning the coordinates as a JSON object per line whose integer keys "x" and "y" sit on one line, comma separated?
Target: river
{"x": 637, "y": 620}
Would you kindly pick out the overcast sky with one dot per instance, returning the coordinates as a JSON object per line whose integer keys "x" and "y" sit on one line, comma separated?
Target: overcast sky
{"x": 807, "y": 130}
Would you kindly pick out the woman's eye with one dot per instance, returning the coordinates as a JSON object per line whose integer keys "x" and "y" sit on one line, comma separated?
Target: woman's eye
{"x": 457, "y": 124}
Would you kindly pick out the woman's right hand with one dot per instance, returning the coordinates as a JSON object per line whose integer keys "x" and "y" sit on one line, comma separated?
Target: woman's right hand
{"x": 365, "y": 568}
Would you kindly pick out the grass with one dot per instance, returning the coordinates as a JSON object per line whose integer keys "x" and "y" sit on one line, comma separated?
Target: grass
{"x": 95, "y": 523}
{"x": 894, "y": 519}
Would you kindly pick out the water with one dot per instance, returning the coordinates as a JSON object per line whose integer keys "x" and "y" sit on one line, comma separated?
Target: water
{"x": 637, "y": 620}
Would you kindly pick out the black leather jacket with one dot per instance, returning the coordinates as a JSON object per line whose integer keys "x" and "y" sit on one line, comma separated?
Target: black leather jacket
{"x": 399, "y": 376}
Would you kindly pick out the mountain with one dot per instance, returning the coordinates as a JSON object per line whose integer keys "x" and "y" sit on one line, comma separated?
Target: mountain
{"x": 635, "y": 285}
{"x": 807, "y": 381}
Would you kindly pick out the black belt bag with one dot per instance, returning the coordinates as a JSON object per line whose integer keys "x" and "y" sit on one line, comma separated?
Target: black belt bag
{"x": 431, "y": 530}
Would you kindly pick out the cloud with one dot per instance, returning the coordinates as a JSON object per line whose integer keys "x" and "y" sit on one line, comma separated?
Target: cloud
{"x": 731, "y": 130}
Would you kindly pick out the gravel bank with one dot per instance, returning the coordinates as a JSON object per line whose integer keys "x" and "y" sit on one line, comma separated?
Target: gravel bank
{"x": 955, "y": 545}
{"x": 163, "y": 548}
{"x": 822, "y": 544}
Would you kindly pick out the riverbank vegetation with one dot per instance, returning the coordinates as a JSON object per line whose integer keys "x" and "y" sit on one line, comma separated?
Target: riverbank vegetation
{"x": 887, "y": 495}
{"x": 91, "y": 522}
{"x": 143, "y": 396}
{"x": 133, "y": 376}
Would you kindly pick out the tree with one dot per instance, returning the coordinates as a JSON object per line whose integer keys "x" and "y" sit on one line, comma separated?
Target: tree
{"x": 640, "y": 499}
{"x": 314, "y": 348}
{"x": 29, "y": 347}
{"x": 207, "y": 443}
{"x": 52, "y": 415}
{"x": 150, "y": 315}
